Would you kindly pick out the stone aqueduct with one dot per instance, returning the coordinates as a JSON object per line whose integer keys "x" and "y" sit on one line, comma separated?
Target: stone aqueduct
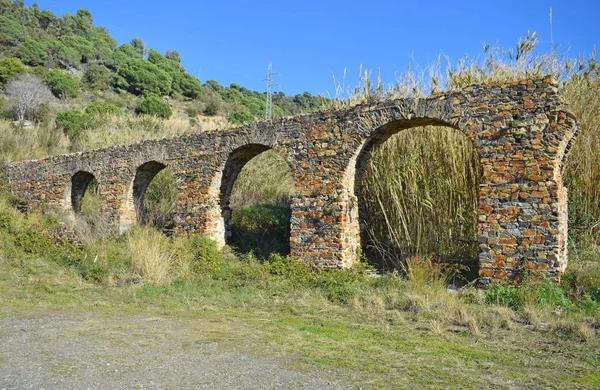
{"x": 520, "y": 130}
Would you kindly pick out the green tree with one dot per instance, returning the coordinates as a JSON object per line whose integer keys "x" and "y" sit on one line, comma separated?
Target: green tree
{"x": 173, "y": 55}
{"x": 10, "y": 67}
{"x": 72, "y": 43}
{"x": 153, "y": 105}
{"x": 139, "y": 76}
{"x": 187, "y": 85}
{"x": 139, "y": 47}
{"x": 240, "y": 117}
{"x": 124, "y": 53}
{"x": 47, "y": 19}
{"x": 11, "y": 31}
{"x": 62, "y": 84}
{"x": 213, "y": 84}
{"x": 33, "y": 53}
{"x": 163, "y": 62}
{"x": 211, "y": 109}
{"x": 98, "y": 77}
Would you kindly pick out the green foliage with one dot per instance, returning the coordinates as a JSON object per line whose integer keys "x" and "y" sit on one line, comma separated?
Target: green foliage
{"x": 73, "y": 50}
{"x": 173, "y": 55}
{"x": 548, "y": 295}
{"x": 187, "y": 85}
{"x": 124, "y": 53}
{"x": 154, "y": 105}
{"x": 139, "y": 76}
{"x": 10, "y": 67}
{"x": 240, "y": 117}
{"x": 31, "y": 241}
{"x": 214, "y": 85}
{"x": 33, "y": 53}
{"x": 582, "y": 279}
{"x": 160, "y": 200}
{"x": 47, "y": 19}
{"x": 545, "y": 295}
{"x": 164, "y": 63}
{"x": 505, "y": 296}
{"x": 98, "y": 77}
{"x": 73, "y": 122}
{"x": 62, "y": 84}
{"x": 100, "y": 108}
{"x": 11, "y": 31}
{"x": 211, "y": 109}
{"x": 263, "y": 229}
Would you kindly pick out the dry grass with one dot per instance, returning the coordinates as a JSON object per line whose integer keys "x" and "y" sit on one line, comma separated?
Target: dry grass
{"x": 26, "y": 143}
{"x": 264, "y": 179}
{"x": 149, "y": 257}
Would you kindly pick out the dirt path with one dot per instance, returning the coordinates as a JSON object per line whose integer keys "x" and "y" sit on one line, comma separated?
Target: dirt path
{"x": 124, "y": 351}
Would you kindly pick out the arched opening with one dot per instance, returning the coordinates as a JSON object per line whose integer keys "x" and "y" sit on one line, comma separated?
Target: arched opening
{"x": 143, "y": 177}
{"x": 256, "y": 188}
{"x": 80, "y": 182}
{"x": 417, "y": 187}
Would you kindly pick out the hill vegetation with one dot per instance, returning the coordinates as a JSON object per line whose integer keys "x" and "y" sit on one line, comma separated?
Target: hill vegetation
{"x": 73, "y": 56}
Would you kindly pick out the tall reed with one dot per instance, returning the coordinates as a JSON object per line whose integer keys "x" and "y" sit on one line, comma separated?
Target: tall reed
{"x": 420, "y": 193}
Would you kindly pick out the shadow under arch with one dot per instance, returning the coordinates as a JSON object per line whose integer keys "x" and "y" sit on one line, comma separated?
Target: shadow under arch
{"x": 360, "y": 163}
{"x": 80, "y": 182}
{"x": 236, "y": 161}
{"x": 143, "y": 176}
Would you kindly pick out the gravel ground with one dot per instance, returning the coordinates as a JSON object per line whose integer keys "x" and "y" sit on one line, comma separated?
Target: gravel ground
{"x": 123, "y": 351}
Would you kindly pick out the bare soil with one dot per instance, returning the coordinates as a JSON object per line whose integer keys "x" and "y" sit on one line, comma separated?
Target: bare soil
{"x": 130, "y": 351}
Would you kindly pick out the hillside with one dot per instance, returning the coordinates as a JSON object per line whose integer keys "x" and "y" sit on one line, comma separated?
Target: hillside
{"x": 82, "y": 63}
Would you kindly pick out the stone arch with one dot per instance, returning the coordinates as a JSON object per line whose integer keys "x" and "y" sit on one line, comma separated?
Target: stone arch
{"x": 143, "y": 176}
{"x": 132, "y": 208}
{"x": 569, "y": 131}
{"x": 236, "y": 160}
{"x": 363, "y": 153}
{"x": 79, "y": 184}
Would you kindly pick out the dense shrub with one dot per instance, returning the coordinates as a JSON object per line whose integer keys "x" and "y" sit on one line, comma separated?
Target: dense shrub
{"x": 139, "y": 76}
{"x": 240, "y": 117}
{"x": 72, "y": 122}
{"x": 33, "y": 53}
{"x": 62, "y": 84}
{"x": 153, "y": 105}
{"x": 98, "y": 77}
{"x": 10, "y": 67}
{"x": 263, "y": 229}
{"x": 160, "y": 200}
{"x": 211, "y": 109}
{"x": 187, "y": 85}
{"x": 103, "y": 108}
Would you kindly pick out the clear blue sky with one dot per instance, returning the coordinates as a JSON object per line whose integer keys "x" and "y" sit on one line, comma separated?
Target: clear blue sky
{"x": 233, "y": 41}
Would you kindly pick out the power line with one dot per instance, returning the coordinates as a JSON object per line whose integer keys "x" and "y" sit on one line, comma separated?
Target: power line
{"x": 270, "y": 84}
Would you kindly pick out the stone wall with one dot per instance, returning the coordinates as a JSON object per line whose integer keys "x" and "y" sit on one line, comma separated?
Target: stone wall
{"x": 520, "y": 130}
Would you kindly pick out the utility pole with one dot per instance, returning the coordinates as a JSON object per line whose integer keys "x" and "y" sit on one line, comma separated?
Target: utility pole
{"x": 270, "y": 84}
